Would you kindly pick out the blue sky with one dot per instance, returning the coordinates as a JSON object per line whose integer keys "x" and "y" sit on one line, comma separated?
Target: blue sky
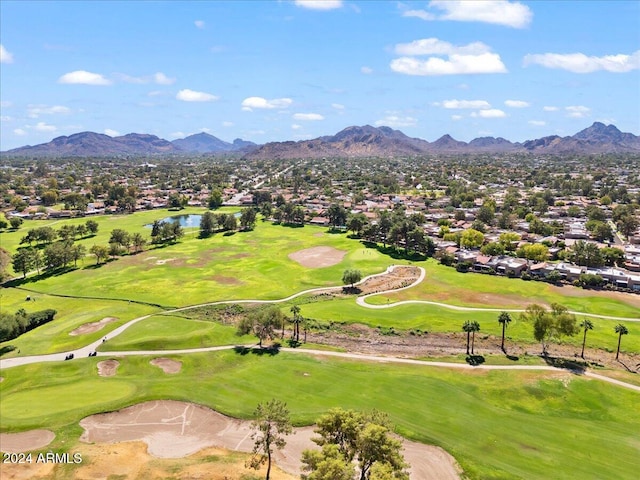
{"x": 290, "y": 70}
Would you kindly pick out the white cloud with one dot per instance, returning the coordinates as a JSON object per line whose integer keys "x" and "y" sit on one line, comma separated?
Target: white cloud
{"x": 456, "y": 117}
{"x": 34, "y": 111}
{"x": 337, "y": 106}
{"x": 516, "y": 103}
{"x": 423, "y": 14}
{"x": 20, "y": 132}
{"x": 491, "y": 113}
{"x": 111, "y": 133}
{"x": 227, "y": 124}
{"x": 199, "y": 24}
{"x": 455, "y": 104}
{"x": 577, "y": 111}
{"x": 187, "y": 95}
{"x": 307, "y": 116}
{"x": 248, "y": 104}
{"x": 549, "y": 108}
{"x": 5, "y": 118}
{"x": 43, "y": 127}
{"x": 366, "y": 70}
{"x": 500, "y": 12}
{"x": 177, "y": 135}
{"x": 455, "y": 65}
{"x": 581, "y": 63}
{"x": 434, "y": 46}
{"x": 123, "y": 77}
{"x": 319, "y": 4}
{"x": 295, "y": 126}
{"x": 161, "y": 79}
{"x": 5, "y": 56}
{"x": 537, "y": 123}
{"x": 82, "y": 77}
{"x": 396, "y": 121}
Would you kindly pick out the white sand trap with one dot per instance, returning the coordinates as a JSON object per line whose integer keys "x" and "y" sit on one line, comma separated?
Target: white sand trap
{"x": 25, "y": 441}
{"x": 174, "y": 429}
{"x": 167, "y": 365}
{"x": 92, "y": 327}
{"x": 107, "y": 368}
{"x": 318, "y": 257}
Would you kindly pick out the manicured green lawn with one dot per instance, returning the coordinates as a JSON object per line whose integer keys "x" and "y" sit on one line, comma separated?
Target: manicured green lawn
{"x": 167, "y": 332}
{"x": 498, "y": 425}
{"x": 72, "y": 312}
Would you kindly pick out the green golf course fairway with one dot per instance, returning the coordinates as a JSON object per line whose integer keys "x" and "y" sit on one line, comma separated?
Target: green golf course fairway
{"x": 498, "y": 424}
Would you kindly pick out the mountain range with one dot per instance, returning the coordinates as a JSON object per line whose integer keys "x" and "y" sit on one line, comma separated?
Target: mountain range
{"x": 355, "y": 141}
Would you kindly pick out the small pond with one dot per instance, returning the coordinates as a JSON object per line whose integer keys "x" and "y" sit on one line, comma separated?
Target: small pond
{"x": 186, "y": 221}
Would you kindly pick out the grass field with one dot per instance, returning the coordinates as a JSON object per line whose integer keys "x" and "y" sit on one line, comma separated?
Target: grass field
{"x": 498, "y": 425}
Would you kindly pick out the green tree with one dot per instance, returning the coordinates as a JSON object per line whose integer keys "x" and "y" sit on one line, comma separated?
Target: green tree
{"x": 262, "y": 323}
{"x": 468, "y": 327}
{"x": 22, "y": 261}
{"x": 504, "y": 319}
{"x": 101, "y": 252}
{"x": 215, "y": 199}
{"x": 349, "y": 437}
{"x": 207, "y": 224}
{"x": 471, "y": 238}
{"x": 271, "y": 424}
{"x": 92, "y": 226}
{"x": 534, "y": 251}
{"x": 356, "y": 223}
{"x": 351, "y": 276}
{"x": 337, "y": 215}
{"x": 138, "y": 242}
{"x": 550, "y": 325}
{"x": 296, "y": 320}
{"x": 15, "y": 222}
{"x": 248, "y": 218}
{"x": 586, "y": 325}
{"x": 620, "y": 330}
{"x": 78, "y": 251}
{"x": 612, "y": 256}
{"x": 230, "y": 223}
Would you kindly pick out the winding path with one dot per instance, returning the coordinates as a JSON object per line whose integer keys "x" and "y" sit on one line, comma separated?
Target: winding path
{"x": 84, "y": 351}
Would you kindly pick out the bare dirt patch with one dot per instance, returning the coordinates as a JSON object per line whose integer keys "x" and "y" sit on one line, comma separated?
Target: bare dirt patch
{"x": 107, "y": 368}
{"x": 167, "y": 365}
{"x": 92, "y": 327}
{"x": 25, "y": 441}
{"x": 165, "y": 260}
{"x": 174, "y": 429}
{"x": 318, "y": 257}
{"x": 399, "y": 277}
{"x": 226, "y": 280}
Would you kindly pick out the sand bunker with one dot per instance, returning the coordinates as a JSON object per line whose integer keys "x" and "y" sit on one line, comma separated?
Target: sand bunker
{"x": 25, "y": 441}
{"x": 167, "y": 365}
{"x": 174, "y": 429}
{"x": 92, "y": 327}
{"x": 107, "y": 368}
{"x": 318, "y": 257}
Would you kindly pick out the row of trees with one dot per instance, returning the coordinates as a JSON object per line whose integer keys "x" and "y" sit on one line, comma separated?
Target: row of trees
{"x": 213, "y": 222}
{"x": 54, "y": 256}
{"x": 47, "y": 235}
{"x": 12, "y": 326}
{"x": 354, "y": 445}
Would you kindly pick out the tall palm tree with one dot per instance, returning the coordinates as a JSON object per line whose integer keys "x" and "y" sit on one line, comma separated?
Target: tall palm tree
{"x": 295, "y": 309}
{"x": 475, "y": 327}
{"x": 504, "y": 319}
{"x": 620, "y": 330}
{"x": 586, "y": 325}
{"x": 468, "y": 327}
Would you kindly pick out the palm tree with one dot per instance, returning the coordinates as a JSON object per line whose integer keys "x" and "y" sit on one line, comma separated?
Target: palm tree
{"x": 620, "y": 330}
{"x": 475, "y": 327}
{"x": 468, "y": 327}
{"x": 295, "y": 309}
{"x": 586, "y": 325}
{"x": 504, "y": 319}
